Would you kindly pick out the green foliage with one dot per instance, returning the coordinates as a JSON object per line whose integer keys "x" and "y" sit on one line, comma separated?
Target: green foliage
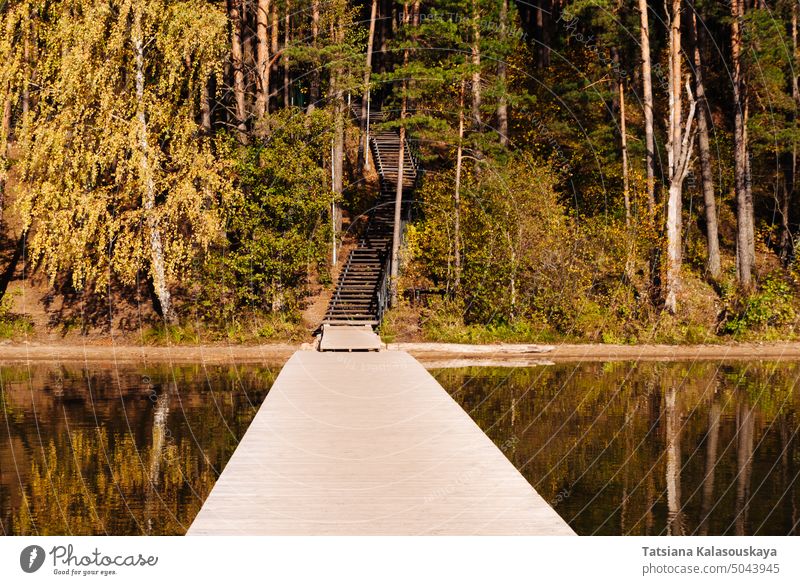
{"x": 171, "y": 335}
{"x": 773, "y": 305}
{"x": 12, "y": 325}
{"x": 98, "y": 151}
{"x": 120, "y": 171}
{"x": 277, "y": 223}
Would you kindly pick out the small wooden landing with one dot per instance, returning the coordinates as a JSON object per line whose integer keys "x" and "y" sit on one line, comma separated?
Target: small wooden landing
{"x": 349, "y": 338}
{"x": 368, "y": 444}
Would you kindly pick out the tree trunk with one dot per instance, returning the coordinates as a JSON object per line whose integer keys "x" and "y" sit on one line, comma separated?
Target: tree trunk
{"x": 398, "y": 198}
{"x": 205, "y": 106}
{"x": 338, "y": 156}
{"x": 476, "y": 64}
{"x": 5, "y": 138}
{"x": 679, "y": 149}
{"x": 542, "y": 36}
{"x": 314, "y": 83}
{"x": 287, "y": 21}
{"x": 457, "y": 198}
{"x": 275, "y": 31}
{"x": 262, "y": 58}
{"x": 623, "y": 131}
{"x": 234, "y": 7}
{"x": 647, "y": 98}
{"x": 790, "y": 181}
{"x": 157, "y": 262}
{"x": 364, "y": 154}
{"x": 338, "y": 136}
{"x": 712, "y": 238}
{"x": 745, "y": 234}
{"x": 26, "y": 71}
{"x": 502, "y": 99}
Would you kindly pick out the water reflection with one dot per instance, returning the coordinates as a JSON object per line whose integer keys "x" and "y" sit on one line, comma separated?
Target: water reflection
{"x": 118, "y": 451}
{"x": 649, "y": 448}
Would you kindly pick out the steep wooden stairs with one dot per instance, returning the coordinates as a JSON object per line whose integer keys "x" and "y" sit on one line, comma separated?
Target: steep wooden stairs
{"x": 360, "y": 296}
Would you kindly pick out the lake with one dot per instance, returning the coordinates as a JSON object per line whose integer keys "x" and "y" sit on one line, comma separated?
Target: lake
{"x": 615, "y": 447}
{"x": 650, "y": 447}
{"x": 118, "y": 451}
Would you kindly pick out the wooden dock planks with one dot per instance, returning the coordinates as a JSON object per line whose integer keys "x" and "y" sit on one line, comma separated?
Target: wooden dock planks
{"x": 349, "y": 338}
{"x": 368, "y": 444}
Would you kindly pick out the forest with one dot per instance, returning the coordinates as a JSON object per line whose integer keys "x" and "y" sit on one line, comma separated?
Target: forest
{"x": 617, "y": 171}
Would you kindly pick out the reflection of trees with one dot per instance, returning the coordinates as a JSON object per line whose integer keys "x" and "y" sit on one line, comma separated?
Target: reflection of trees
{"x": 673, "y": 477}
{"x": 645, "y": 448}
{"x": 712, "y": 442}
{"x": 789, "y": 501}
{"x": 160, "y": 414}
{"x": 744, "y": 464}
{"x": 115, "y": 461}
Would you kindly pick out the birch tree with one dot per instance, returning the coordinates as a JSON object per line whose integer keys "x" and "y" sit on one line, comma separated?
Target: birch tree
{"x": 680, "y": 140}
{"x": 118, "y": 179}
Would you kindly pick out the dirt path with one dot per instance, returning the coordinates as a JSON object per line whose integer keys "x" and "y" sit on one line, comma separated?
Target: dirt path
{"x": 429, "y": 353}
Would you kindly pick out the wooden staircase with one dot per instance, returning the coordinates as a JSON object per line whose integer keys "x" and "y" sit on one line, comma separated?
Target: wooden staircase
{"x": 361, "y": 293}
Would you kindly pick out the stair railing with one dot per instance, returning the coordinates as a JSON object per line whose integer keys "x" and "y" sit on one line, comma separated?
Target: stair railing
{"x": 382, "y": 294}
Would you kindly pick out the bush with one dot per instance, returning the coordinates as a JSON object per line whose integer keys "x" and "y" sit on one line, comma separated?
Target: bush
{"x": 277, "y": 224}
{"x": 772, "y": 306}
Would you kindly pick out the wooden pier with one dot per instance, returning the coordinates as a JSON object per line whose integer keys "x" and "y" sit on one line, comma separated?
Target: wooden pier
{"x": 368, "y": 444}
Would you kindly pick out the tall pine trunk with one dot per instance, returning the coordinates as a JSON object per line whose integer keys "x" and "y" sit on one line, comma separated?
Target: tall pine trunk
{"x": 364, "y": 152}
{"x": 745, "y": 233}
{"x": 476, "y": 65}
{"x": 262, "y": 58}
{"x": 274, "y": 19}
{"x": 287, "y": 23}
{"x": 398, "y": 196}
{"x": 337, "y": 33}
{"x": 502, "y": 99}
{"x": 315, "y": 81}
{"x": 709, "y": 199}
{"x": 647, "y": 99}
{"x": 623, "y": 131}
{"x": 790, "y": 174}
{"x": 157, "y": 262}
{"x": 237, "y": 57}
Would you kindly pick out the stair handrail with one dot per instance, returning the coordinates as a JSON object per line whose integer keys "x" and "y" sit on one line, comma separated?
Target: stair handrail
{"x": 382, "y": 294}
{"x": 337, "y": 294}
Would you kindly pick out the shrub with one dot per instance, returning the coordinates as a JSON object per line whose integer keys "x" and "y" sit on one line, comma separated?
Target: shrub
{"x": 772, "y": 306}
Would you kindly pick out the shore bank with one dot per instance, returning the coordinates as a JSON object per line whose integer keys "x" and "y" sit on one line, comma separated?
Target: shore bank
{"x": 432, "y": 354}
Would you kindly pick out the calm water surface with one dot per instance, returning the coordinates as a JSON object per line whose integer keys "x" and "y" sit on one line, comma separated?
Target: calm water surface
{"x": 616, "y": 448}
{"x": 649, "y": 448}
{"x": 118, "y": 451}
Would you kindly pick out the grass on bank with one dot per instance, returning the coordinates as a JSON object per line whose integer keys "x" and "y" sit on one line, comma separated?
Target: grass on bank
{"x": 268, "y": 328}
{"x": 771, "y": 313}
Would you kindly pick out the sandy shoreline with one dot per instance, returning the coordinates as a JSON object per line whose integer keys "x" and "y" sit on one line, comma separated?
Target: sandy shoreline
{"x": 433, "y": 354}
